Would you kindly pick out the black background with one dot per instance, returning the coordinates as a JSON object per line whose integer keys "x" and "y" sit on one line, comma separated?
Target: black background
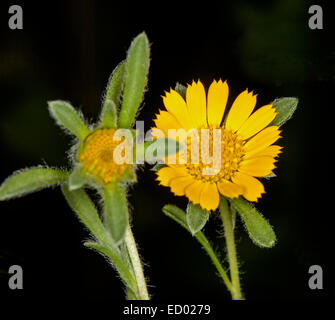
{"x": 67, "y": 50}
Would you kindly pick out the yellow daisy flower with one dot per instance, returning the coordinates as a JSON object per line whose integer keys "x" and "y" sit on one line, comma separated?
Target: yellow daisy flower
{"x": 247, "y": 149}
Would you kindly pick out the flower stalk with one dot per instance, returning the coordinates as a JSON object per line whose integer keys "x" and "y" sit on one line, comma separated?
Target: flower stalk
{"x": 137, "y": 265}
{"x": 231, "y": 249}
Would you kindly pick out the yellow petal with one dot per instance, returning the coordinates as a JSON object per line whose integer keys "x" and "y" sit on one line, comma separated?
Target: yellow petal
{"x": 262, "y": 140}
{"x": 253, "y": 188}
{"x": 196, "y": 104}
{"x": 240, "y": 111}
{"x": 271, "y": 151}
{"x": 257, "y": 167}
{"x": 216, "y": 102}
{"x": 230, "y": 189}
{"x": 257, "y": 121}
{"x": 165, "y": 120}
{"x": 179, "y": 184}
{"x": 176, "y": 105}
{"x": 166, "y": 174}
{"x": 209, "y": 198}
{"x": 194, "y": 190}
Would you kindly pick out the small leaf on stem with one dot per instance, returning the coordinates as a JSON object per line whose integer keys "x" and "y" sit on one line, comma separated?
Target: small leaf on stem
{"x": 258, "y": 228}
{"x": 85, "y": 209}
{"x": 196, "y": 217}
{"x": 115, "y": 212}
{"x": 66, "y": 116}
{"x": 30, "y": 180}
{"x": 137, "y": 67}
{"x": 109, "y": 115}
{"x": 285, "y": 108}
{"x": 115, "y": 84}
{"x": 123, "y": 270}
{"x": 157, "y": 149}
{"x": 77, "y": 178}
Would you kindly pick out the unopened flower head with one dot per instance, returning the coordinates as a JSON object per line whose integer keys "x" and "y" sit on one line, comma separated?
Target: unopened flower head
{"x": 99, "y": 156}
{"x": 240, "y": 144}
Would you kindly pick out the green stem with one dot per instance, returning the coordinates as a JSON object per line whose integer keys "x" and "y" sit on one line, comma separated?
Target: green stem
{"x": 204, "y": 242}
{"x": 178, "y": 215}
{"x": 137, "y": 265}
{"x": 230, "y": 241}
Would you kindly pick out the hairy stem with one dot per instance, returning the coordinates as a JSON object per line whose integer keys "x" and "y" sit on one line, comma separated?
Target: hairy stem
{"x": 137, "y": 265}
{"x": 231, "y": 249}
{"x": 204, "y": 242}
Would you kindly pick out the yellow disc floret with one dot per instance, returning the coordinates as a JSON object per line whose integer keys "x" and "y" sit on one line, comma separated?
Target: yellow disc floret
{"x": 97, "y": 156}
{"x": 224, "y": 163}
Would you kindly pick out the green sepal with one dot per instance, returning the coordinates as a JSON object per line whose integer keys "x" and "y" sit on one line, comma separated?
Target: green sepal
{"x": 119, "y": 265}
{"x": 30, "y": 180}
{"x": 257, "y": 227}
{"x": 109, "y": 115}
{"x": 137, "y": 67}
{"x": 157, "y": 149}
{"x": 181, "y": 89}
{"x": 196, "y": 217}
{"x": 77, "y": 178}
{"x": 285, "y": 107}
{"x": 66, "y": 116}
{"x": 115, "y": 212}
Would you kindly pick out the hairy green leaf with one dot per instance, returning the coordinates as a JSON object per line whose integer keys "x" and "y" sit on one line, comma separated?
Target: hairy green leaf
{"x": 137, "y": 67}
{"x": 67, "y": 117}
{"x": 83, "y": 206}
{"x": 181, "y": 89}
{"x": 157, "y": 149}
{"x": 285, "y": 108}
{"x": 116, "y": 212}
{"x": 258, "y": 228}
{"x": 158, "y": 166}
{"x": 109, "y": 115}
{"x": 179, "y": 216}
{"x": 112, "y": 97}
{"x": 176, "y": 214}
{"x": 77, "y": 178}
{"x": 119, "y": 265}
{"x": 30, "y": 180}
{"x": 115, "y": 84}
{"x": 196, "y": 217}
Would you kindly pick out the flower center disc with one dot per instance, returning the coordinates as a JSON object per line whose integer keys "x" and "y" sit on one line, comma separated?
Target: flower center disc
{"x": 97, "y": 156}
{"x": 220, "y": 162}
